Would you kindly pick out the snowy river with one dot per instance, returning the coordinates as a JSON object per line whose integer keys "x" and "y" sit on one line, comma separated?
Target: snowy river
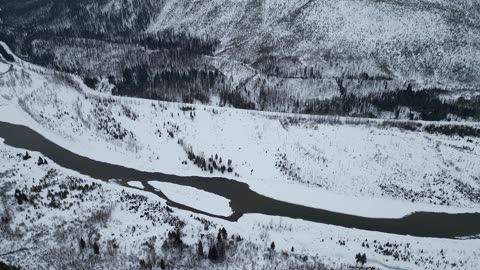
{"x": 242, "y": 199}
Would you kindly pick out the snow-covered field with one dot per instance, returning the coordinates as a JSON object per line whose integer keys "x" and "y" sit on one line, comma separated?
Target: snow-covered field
{"x": 195, "y": 198}
{"x": 363, "y": 169}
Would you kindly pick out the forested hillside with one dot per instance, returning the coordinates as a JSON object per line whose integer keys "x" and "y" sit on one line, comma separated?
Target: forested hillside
{"x": 349, "y": 57}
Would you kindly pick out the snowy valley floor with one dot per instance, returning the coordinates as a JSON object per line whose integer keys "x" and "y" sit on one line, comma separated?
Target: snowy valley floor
{"x": 355, "y": 167}
{"x": 48, "y": 210}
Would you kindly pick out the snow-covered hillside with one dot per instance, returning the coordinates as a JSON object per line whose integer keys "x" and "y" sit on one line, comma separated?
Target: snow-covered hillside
{"x": 430, "y": 42}
{"x": 271, "y": 55}
{"x": 353, "y": 166}
{"x": 412, "y": 40}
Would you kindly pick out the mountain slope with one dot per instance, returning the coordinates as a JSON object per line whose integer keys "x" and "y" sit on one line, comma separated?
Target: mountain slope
{"x": 268, "y": 55}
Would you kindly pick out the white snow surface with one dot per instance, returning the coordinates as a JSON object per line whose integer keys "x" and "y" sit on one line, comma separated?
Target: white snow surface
{"x": 195, "y": 198}
{"x": 361, "y": 206}
{"x": 3, "y": 67}
{"x": 136, "y": 184}
{"x": 359, "y": 169}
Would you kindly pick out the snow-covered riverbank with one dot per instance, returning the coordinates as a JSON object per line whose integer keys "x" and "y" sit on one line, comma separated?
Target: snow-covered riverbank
{"x": 195, "y": 198}
{"x": 358, "y": 169}
{"x": 132, "y": 217}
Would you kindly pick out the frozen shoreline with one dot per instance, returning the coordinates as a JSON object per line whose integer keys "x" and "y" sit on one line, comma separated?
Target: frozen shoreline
{"x": 288, "y": 192}
{"x": 136, "y": 184}
{"x": 359, "y": 206}
{"x": 194, "y": 198}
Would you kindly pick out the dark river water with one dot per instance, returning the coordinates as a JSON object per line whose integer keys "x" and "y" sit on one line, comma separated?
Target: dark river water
{"x": 242, "y": 199}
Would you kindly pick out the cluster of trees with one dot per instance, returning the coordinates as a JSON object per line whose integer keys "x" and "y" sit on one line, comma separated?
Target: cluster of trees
{"x": 213, "y": 162}
{"x": 345, "y": 105}
{"x": 168, "y": 39}
{"x": 425, "y": 102}
{"x": 361, "y": 259}
{"x": 175, "y": 237}
{"x": 4, "y": 266}
{"x": 171, "y": 40}
{"x": 41, "y": 161}
{"x": 106, "y": 122}
{"x": 287, "y": 168}
{"x": 169, "y": 84}
{"x": 287, "y": 68}
{"x": 78, "y": 16}
{"x": 95, "y": 247}
{"x": 26, "y": 156}
{"x": 291, "y": 67}
{"x": 183, "y": 73}
{"x": 90, "y": 82}
{"x": 422, "y": 104}
{"x": 20, "y": 196}
{"x": 236, "y": 99}
{"x": 216, "y": 252}
{"x": 460, "y": 130}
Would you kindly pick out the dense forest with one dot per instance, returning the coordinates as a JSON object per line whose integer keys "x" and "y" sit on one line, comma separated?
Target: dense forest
{"x": 422, "y": 105}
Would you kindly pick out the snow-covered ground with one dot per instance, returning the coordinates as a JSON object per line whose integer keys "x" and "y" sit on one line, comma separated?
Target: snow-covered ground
{"x": 362, "y": 169}
{"x": 61, "y": 206}
{"x": 136, "y": 184}
{"x": 195, "y": 198}
{"x": 3, "y": 67}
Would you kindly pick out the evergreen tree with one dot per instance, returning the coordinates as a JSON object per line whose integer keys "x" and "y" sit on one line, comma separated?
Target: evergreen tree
{"x": 221, "y": 250}
{"x": 363, "y": 259}
{"x": 272, "y": 246}
{"x": 142, "y": 76}
{"x": 224, "y": 233}
{"x": 96, "y": 248}
{"x": 178, "y": 240}
{"x": 128, "y": 78}
{"x": 358, "y": 258}
{"x": 82, "y": 244}
{"x": 212, "y": 253}
{"x": 26, "y": 156}
{"x": 162, "y": 264}
{"x": 200, "y": 248}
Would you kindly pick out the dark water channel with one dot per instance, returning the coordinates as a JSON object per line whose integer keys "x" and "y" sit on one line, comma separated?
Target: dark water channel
{"x": 242, "y": 199}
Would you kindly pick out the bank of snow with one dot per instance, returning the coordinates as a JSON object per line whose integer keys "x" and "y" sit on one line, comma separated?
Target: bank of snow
{"x": 374, "y": 207}
{"x": 4, "y": 67}
{"x": 195, "y": 198}
{"x": 136, "y": 184}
